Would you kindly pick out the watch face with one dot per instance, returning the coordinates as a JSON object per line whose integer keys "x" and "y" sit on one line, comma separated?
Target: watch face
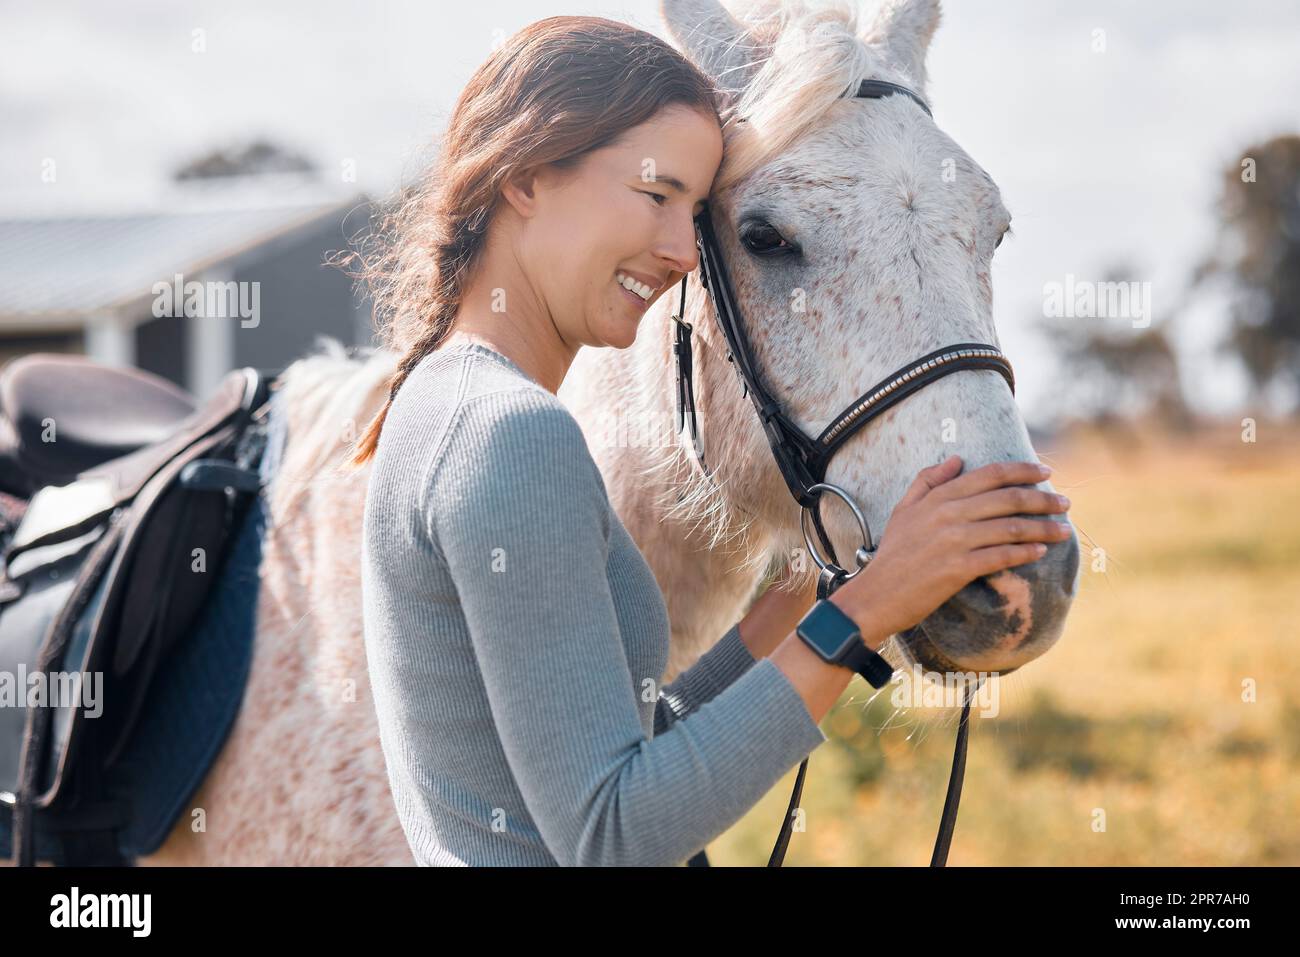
{"x": 828, "y": 630}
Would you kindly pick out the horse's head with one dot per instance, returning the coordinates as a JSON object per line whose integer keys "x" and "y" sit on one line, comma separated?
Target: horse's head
{"x": 858, "y": 237}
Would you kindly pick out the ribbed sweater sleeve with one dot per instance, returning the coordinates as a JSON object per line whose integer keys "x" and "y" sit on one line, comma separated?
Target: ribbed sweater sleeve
{"x": 523, "y": 524}
{"x": 699, "y": 684}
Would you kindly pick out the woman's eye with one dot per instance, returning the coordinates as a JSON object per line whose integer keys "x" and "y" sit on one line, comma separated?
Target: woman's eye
{"x": 657, "y": 197}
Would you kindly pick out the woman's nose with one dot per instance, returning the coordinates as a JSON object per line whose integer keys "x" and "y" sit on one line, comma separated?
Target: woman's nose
{"x": 680, "y": 248}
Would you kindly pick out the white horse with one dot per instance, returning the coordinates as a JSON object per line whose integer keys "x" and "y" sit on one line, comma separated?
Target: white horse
{"x": 896, "y": 228}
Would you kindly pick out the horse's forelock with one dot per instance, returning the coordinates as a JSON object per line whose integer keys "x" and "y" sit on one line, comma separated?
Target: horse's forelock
{"x": 810, "y": 56}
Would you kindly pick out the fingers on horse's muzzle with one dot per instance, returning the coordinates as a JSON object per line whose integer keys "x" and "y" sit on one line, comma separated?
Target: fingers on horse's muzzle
{"x": 1051, "y": 578}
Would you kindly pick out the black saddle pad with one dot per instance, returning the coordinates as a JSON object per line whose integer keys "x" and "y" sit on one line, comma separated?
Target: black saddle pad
{"x": 189, "y": 710}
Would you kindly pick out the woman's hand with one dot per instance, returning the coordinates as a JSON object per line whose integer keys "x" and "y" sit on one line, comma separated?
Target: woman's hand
{"x": 946, "y": 531}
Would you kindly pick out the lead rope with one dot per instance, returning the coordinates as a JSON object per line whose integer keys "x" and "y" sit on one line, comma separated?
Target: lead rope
{"x": 827, "y": 582}
{"x": 948, "y": 820}
{"x": 830, "y": 579}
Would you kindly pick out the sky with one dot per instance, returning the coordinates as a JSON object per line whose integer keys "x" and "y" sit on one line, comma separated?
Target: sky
{"x": 1103, "y": 157}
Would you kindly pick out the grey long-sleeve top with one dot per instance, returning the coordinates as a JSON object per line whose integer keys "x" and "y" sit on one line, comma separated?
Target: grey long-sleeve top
{"x": 516, "y": 638}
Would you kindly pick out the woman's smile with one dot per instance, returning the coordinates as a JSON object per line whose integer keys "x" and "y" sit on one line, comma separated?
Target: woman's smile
{"x": 637, "y": 302}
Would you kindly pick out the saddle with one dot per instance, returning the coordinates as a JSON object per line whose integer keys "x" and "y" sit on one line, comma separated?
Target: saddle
{"x": 61, "y": 415}
{"x": 105, "y": 574}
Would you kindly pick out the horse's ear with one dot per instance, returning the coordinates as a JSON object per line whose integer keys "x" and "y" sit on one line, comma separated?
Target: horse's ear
{"x": 714, "y": 41}
{"x": 902, "y": 29}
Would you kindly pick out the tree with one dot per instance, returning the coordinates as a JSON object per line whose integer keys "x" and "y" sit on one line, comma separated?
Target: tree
{"x": 1112, "y": 372}
{"x": 254, "y": 158}
{"x": 1258, "y": 254}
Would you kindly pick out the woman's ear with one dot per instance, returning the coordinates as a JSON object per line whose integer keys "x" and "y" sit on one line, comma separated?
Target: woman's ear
{"x": 520, "y": 190}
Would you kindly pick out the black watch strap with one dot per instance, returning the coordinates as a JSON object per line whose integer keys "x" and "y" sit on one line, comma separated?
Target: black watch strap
{"x": 836, "y": 638}
{"x": 870, "y": 665}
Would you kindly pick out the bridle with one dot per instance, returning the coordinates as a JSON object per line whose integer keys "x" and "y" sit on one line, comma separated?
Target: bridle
{"x": 803, "y": 461}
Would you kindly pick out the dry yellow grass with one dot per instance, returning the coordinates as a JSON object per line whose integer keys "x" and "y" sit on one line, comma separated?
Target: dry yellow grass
{"x": 1137, "y": 714}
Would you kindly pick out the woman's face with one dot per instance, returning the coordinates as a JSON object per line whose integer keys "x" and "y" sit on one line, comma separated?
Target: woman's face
{"x": 625, "y": 212}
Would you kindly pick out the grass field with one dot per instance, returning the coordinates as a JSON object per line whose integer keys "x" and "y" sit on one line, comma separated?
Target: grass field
{"x": 1164, "y": 726}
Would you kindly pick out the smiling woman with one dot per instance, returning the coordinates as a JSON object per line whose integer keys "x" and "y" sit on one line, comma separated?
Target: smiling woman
{"x": 545, "y": 200}
{"x": 579, "y": 250}
{"x": 515, "y": 636}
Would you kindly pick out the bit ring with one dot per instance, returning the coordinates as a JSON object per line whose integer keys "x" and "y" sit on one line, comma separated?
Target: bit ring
{"x": 863, "y": 554}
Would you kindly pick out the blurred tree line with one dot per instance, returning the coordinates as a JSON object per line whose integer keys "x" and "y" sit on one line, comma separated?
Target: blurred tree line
{"x": 259, "y": 157}
{"x": 1110, "y": 373}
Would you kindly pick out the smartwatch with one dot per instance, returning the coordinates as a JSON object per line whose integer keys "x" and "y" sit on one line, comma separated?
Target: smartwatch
{"x": 838, "y": 641}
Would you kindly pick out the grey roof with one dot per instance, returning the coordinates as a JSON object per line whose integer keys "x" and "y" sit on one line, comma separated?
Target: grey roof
{"x": 57, "y": 270}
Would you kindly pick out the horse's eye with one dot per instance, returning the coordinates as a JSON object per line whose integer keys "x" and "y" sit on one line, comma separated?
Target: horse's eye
{"x": 764, "y": 239}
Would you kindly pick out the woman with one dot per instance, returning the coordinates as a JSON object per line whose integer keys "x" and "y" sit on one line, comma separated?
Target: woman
{"x": 515, "y": 635}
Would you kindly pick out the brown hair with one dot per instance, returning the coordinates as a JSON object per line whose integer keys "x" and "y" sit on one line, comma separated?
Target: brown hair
{"x": 554, "y": 91}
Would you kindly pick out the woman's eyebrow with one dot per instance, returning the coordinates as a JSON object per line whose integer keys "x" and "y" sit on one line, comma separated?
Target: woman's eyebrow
{"x": 672, "y": 181}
